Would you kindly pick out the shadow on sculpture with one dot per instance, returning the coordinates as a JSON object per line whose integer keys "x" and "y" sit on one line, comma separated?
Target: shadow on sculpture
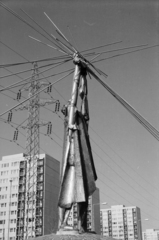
{"x": 78, "y": 173}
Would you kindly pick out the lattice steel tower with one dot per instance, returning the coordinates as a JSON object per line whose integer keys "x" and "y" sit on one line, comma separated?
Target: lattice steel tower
{"x": 29, "y": 216}
{"x": 32, "y": 155}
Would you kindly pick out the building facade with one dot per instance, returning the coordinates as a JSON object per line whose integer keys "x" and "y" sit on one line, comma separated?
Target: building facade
{"x": 93, "y": 214}
{"x": 120, "y": 222}
{"x": 151, "y": 234}
{"x": 16, "y": 213}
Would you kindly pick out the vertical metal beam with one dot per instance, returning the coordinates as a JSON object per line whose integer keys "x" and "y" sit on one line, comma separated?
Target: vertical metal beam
{"x": 9, "y": 207}
{"x": 32, "y": 155}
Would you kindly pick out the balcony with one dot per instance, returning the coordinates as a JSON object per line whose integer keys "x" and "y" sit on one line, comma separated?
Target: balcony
{"x": 21, "y": 205}
{"x": 21, "y": 214}
{"x": 39, "y": 187}
{"x": 22, "y": 164}
{"x": 20, "y": 224}
{"x": 22, "y": 189}
{"x": 39, "y": 204}
{"x": 22, "y": 180}
{"x": 22, "y": 173}
{"x": 40, "y": 163}
{"x": 39, "y": 221}
{"x": 21, "y": 198}
{"x": 40, "y": 170}
{"x": 38, "y": 213}
{"x": 20, "y": 233}
{"x": 40, "y": 179}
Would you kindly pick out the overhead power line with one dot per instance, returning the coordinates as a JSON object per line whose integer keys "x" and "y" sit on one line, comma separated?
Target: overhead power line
{"x": 154, "y": 132}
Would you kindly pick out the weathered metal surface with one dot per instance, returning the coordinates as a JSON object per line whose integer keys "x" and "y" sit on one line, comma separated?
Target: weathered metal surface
{"x": 78, "y": 173}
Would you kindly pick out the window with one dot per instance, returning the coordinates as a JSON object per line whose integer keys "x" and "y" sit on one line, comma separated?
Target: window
{"x": 15, "y": 179}
{"x": 2, "y": 221}
{"x": 13, "y": 203}
{"x": 3, "y": 204}
{"x": 6, "y": 165}
{"x": 3, "y": 173}
{"x": 14, "y": 164}
{"x": 3, "y": 188}
{"x": 14, "y": 171}
{"x": 2, "y": 213}
{"x": 12, "y": 229}
{"x": 14, "y": 195}
{"x": 3, "y": 196}
{"x": 13, "y": 212}
{"x": 14, "y": 187}
{"x": 13, "y": 221}
{"x": 3, "y": 180}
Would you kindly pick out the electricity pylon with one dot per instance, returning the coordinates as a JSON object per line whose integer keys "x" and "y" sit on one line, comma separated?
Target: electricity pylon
{"x": 29, "y": 208}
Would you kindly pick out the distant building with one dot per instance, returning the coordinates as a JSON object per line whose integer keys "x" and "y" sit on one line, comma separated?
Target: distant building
{"x": 13, "y": 205}
{"x": 93, "y": 213}
{"x": 151, "y": 234}
{"x": 120, "y": 222}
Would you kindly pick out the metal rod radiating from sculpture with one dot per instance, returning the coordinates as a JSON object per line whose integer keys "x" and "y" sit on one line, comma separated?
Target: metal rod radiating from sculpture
{"x": 78, "y": 173}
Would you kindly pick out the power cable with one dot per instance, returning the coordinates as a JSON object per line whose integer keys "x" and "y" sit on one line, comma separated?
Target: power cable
{"x": 123, "y": 179}
{"x": 121, "y": 54}
{"x": 133, "y": 112}
{"x": 35, "y": 94}
{"x": 121, "y": 157}
{"x": 121, "y": 168}
{"x": 28, "y": 78}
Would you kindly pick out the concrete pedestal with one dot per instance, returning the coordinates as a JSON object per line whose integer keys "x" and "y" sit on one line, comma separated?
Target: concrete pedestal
{"x": 85, "y": 236}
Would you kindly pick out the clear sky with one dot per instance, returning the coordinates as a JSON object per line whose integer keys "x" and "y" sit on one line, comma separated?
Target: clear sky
{"x": 126, "y": 155}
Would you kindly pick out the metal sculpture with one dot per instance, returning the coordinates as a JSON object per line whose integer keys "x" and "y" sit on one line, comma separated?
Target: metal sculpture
{"x": 78, "y": 173}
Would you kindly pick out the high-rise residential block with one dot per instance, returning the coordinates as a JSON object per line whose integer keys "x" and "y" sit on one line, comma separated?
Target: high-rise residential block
{"x": 120, "y": 222}
{"x": 39, "y": 214}
{"x": 151, "y": 234}
{"x": 93, "y": 213}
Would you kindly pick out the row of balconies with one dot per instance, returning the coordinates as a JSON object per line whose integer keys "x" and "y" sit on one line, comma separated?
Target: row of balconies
{"x": 20, "y": 214}
{"x": 20, "y": 222}
{"x": 39, "y": 204}
{"x": 20, "y": 233}
{"x": 19, "y": 238}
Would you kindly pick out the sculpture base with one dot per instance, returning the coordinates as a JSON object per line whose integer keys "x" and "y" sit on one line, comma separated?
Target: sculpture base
{"x": 84, "y": 236}
{"x": 67, "y": 232}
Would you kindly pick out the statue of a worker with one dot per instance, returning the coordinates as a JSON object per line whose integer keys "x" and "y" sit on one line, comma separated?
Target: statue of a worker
{"x": 78, "y": 173}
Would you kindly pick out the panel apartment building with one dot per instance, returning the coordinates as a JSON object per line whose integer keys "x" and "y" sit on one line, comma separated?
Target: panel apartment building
{"x": 14, "y": 209}
{"x": 151, "y": 234}
{"x": 120, "y": 222}
{"x": 93, "y": 214}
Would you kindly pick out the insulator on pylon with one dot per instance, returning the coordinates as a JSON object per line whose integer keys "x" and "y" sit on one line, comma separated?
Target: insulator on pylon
{"x": 57, "y": 106}
{"x": 49, "y": 88}
{"x": 15, "y": 137}
{"x": 19, "y": 95}
{"x": 9, "y": 116}
{"x": 49, "y": 128}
